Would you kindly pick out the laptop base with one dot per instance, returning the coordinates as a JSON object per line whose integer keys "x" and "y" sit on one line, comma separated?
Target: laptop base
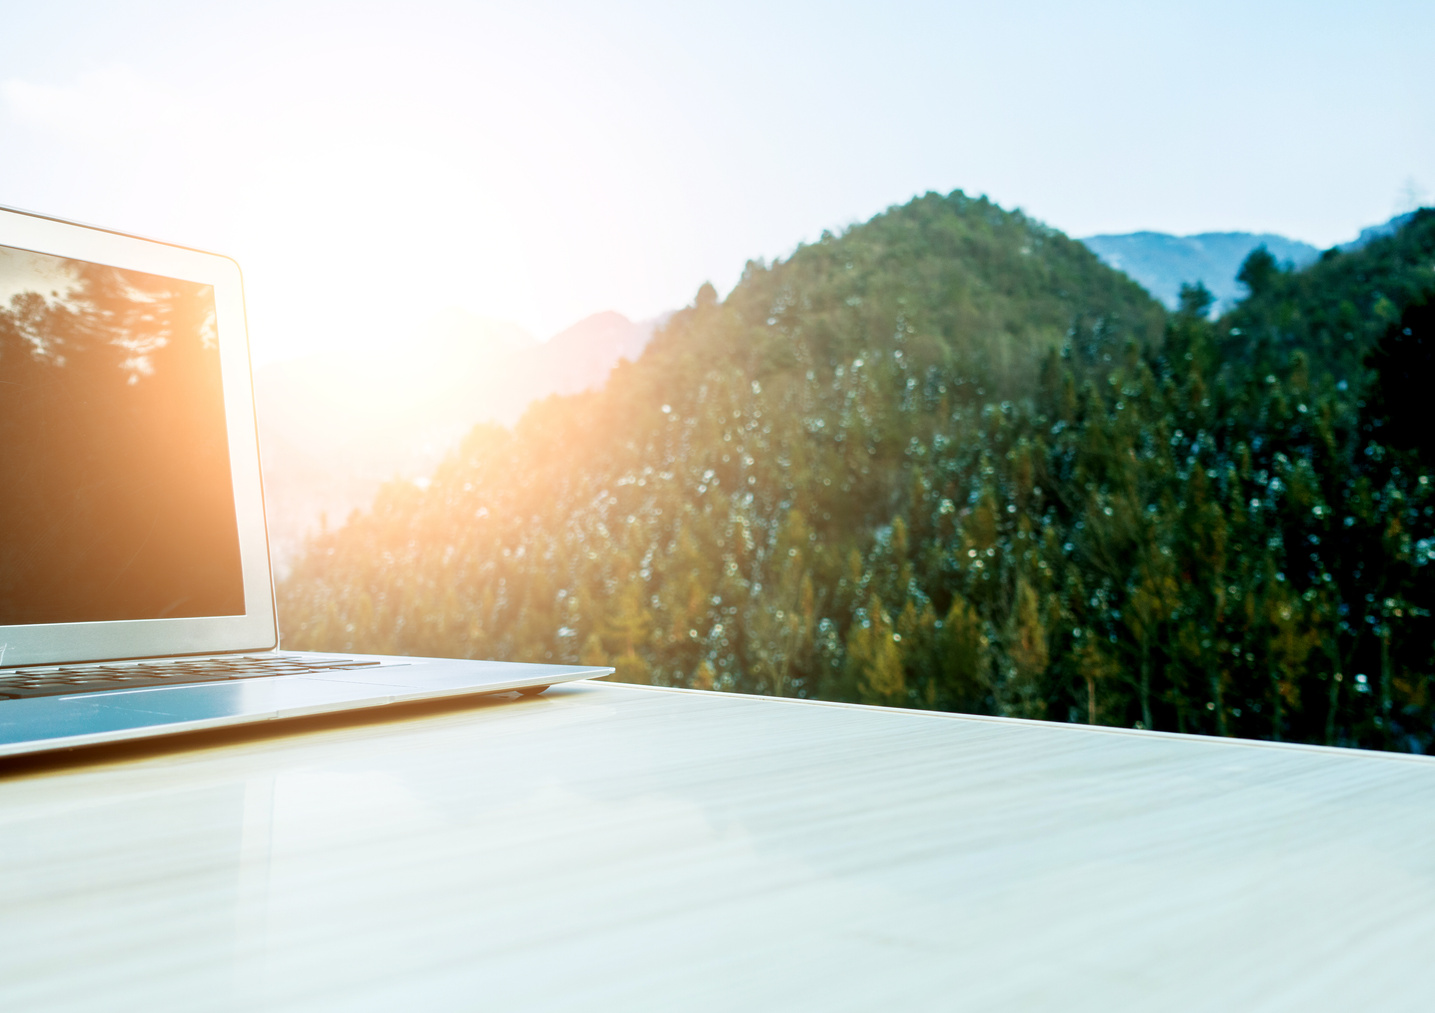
{"x": 62, "y": 722}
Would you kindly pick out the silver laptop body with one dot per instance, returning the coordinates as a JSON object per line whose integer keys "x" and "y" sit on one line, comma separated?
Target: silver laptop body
{"x": 136, "y": 597}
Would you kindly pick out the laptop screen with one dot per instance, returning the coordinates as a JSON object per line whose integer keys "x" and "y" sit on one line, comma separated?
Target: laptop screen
{"x": 116, "y": 501}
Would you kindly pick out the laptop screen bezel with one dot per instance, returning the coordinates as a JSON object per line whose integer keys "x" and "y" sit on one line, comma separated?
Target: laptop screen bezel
{"x": 257, "y": 628}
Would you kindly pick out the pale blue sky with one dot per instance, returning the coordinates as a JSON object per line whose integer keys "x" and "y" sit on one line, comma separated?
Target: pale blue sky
{"x": 369, "y": 163}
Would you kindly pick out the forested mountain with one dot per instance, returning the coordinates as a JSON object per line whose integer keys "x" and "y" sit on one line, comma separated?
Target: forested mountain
{"x": 950, "y": 460}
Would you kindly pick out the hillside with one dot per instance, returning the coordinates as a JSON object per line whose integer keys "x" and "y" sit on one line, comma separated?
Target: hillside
{"x": 947, "y": 459}
{"x": 1335, "y": 311}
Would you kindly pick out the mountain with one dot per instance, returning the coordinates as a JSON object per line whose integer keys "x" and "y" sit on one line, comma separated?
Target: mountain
{"x": 335, "y": 426}
{"x": 582, "y": 356}
{"x": 1375, "y": 232}
{"x": 951, "y": 460}
{"x": 707, "y": 516}
{"x": 1163, "y": 263}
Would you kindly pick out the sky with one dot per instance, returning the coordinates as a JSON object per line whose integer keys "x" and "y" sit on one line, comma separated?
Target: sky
{"x": 372, "y": 164}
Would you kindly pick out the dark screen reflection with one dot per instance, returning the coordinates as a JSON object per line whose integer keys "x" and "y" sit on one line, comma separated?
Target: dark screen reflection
{"x": 115, "y": 493}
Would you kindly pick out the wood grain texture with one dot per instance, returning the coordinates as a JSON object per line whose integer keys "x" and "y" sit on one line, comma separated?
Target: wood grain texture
{"x": 614, "y": 847}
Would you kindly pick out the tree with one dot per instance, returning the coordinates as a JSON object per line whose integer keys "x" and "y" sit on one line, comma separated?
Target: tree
{"x": 875, "y": 659}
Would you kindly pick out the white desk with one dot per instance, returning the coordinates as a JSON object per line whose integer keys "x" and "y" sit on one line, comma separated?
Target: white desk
{"x": 612, "y": 847}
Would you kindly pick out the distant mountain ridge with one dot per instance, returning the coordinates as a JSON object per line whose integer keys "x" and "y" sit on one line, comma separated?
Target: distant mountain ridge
{"x": 1375, "y": 232}
{"x": 335, "y": 426}
{"x": 1162, "y": 263}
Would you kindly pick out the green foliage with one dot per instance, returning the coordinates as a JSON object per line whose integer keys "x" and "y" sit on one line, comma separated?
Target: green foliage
{"x": 1332, "y": 312}
{"x": 948, "y": 460}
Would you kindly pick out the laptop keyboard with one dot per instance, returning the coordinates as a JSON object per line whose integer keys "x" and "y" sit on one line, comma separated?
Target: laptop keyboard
{"x": 64, "y": 680}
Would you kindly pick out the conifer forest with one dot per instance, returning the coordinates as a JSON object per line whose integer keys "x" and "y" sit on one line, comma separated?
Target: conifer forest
{"x": 950, "y": 460}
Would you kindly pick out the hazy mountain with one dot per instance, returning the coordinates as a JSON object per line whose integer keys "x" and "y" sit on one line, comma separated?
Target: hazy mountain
{"x": 1378, "y": 231}
{"x": 1162, "y": 263}
{"x": 335, "y": 426}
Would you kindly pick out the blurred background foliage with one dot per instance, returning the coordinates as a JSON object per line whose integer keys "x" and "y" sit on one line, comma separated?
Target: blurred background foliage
{"x": 950, "y": 460}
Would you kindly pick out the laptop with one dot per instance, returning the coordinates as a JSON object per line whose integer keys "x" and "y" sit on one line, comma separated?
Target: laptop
{"x": 136, "y": 595}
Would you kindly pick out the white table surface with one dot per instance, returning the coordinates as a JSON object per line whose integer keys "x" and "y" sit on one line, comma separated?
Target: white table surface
{"x": 621, "y": 848}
